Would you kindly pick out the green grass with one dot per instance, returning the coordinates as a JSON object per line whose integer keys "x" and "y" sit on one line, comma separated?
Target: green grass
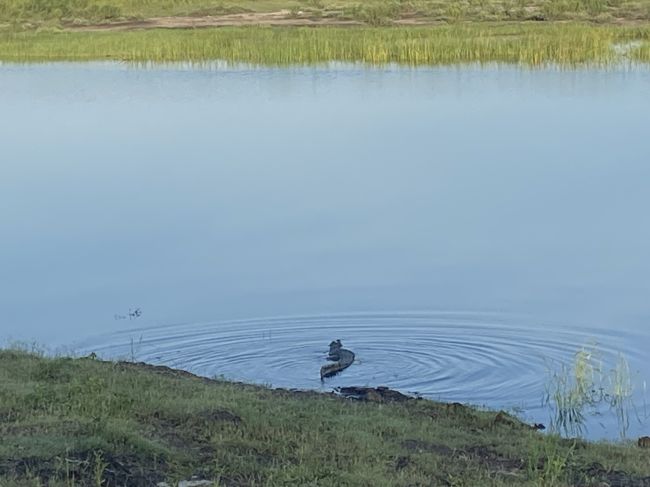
{"x": 34, "y": 12}
{"x": 67, "y": 422}
{"x": 565, "y": 44}
{"x": 565, "y": 32}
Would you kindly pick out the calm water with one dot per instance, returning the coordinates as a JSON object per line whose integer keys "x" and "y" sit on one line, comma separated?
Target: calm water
{"x": 459, "y": 228}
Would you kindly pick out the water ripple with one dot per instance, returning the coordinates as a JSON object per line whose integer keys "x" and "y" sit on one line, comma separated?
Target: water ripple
{"x": 481, "y": 358}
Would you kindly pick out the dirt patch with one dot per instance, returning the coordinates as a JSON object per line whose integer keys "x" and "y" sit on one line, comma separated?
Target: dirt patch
{"x": 191, "y": 432}
{"x": 79, "y": 467}
{"x": 493, "y": 460}
{"x": 418, "y": 446}
{"x": 609, "y": 477}
{"x": 279, "y": 18}
{"x": 122, "y": 470}
{"x": 594, "y": 474}
{"x": 479, "y": 454}
{"x": 233, "y": 17}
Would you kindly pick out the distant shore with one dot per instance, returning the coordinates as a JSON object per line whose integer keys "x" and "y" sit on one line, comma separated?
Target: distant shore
{"x": 84, "y": 421}
{"x": 306, "y": 32}
{"x": 136, "y": 14}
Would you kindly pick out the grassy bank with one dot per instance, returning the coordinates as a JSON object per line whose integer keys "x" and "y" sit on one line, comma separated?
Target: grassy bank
{"x": 26, "y": 13}
{"x": 86, "y": 422}
{"x": 530, "y": 44}
{"x": 273, "y": 32}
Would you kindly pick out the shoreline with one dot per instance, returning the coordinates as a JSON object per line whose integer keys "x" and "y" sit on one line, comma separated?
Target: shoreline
{"x": 95, "y": 422}
{"x": 525, "y": 44}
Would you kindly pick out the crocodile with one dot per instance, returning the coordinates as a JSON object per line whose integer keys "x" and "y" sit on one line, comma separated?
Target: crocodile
{"x": 341, "y": 357}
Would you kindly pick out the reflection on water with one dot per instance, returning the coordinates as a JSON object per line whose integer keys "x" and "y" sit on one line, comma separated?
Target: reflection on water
{"x": 213, "y": 195}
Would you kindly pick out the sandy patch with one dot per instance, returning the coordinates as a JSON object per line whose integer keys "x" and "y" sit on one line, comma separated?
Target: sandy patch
{"x": 279, "y": 18}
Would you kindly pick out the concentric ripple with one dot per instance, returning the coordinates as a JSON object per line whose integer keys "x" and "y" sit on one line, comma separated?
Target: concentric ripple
{"x": 480, "y": 358}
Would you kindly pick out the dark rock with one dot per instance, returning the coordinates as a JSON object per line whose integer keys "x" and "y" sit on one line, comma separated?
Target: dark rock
{"x": 371, "y": 394}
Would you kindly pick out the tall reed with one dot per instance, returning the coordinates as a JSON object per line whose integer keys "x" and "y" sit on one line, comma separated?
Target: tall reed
{"x": 533, "y": 45}
{"x": 575, "y": 390}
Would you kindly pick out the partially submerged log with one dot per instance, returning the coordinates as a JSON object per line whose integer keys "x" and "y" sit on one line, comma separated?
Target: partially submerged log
{"x": 341, "y": 357}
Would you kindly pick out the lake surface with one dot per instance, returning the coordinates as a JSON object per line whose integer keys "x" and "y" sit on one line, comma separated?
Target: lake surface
{"x": 463, "y": 230}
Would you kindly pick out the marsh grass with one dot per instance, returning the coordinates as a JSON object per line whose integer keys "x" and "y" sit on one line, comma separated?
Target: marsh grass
{"x": 67, "y": 422}
{"x": 642, "y": 53}
{"x": 526, "y": 44}
{"x": 575, "y": 391}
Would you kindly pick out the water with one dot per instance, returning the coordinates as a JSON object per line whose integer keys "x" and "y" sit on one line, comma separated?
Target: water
{"x": 461, "y": 229}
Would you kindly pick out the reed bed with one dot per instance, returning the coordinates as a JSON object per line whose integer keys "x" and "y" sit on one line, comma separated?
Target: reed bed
{"x": 526, "y": 44}
{"x": 587, "y": 387}
{"x": 642, "y": 53}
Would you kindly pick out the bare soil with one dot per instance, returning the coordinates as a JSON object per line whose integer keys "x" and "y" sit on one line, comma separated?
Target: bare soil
{"x": 279, "y": 18}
